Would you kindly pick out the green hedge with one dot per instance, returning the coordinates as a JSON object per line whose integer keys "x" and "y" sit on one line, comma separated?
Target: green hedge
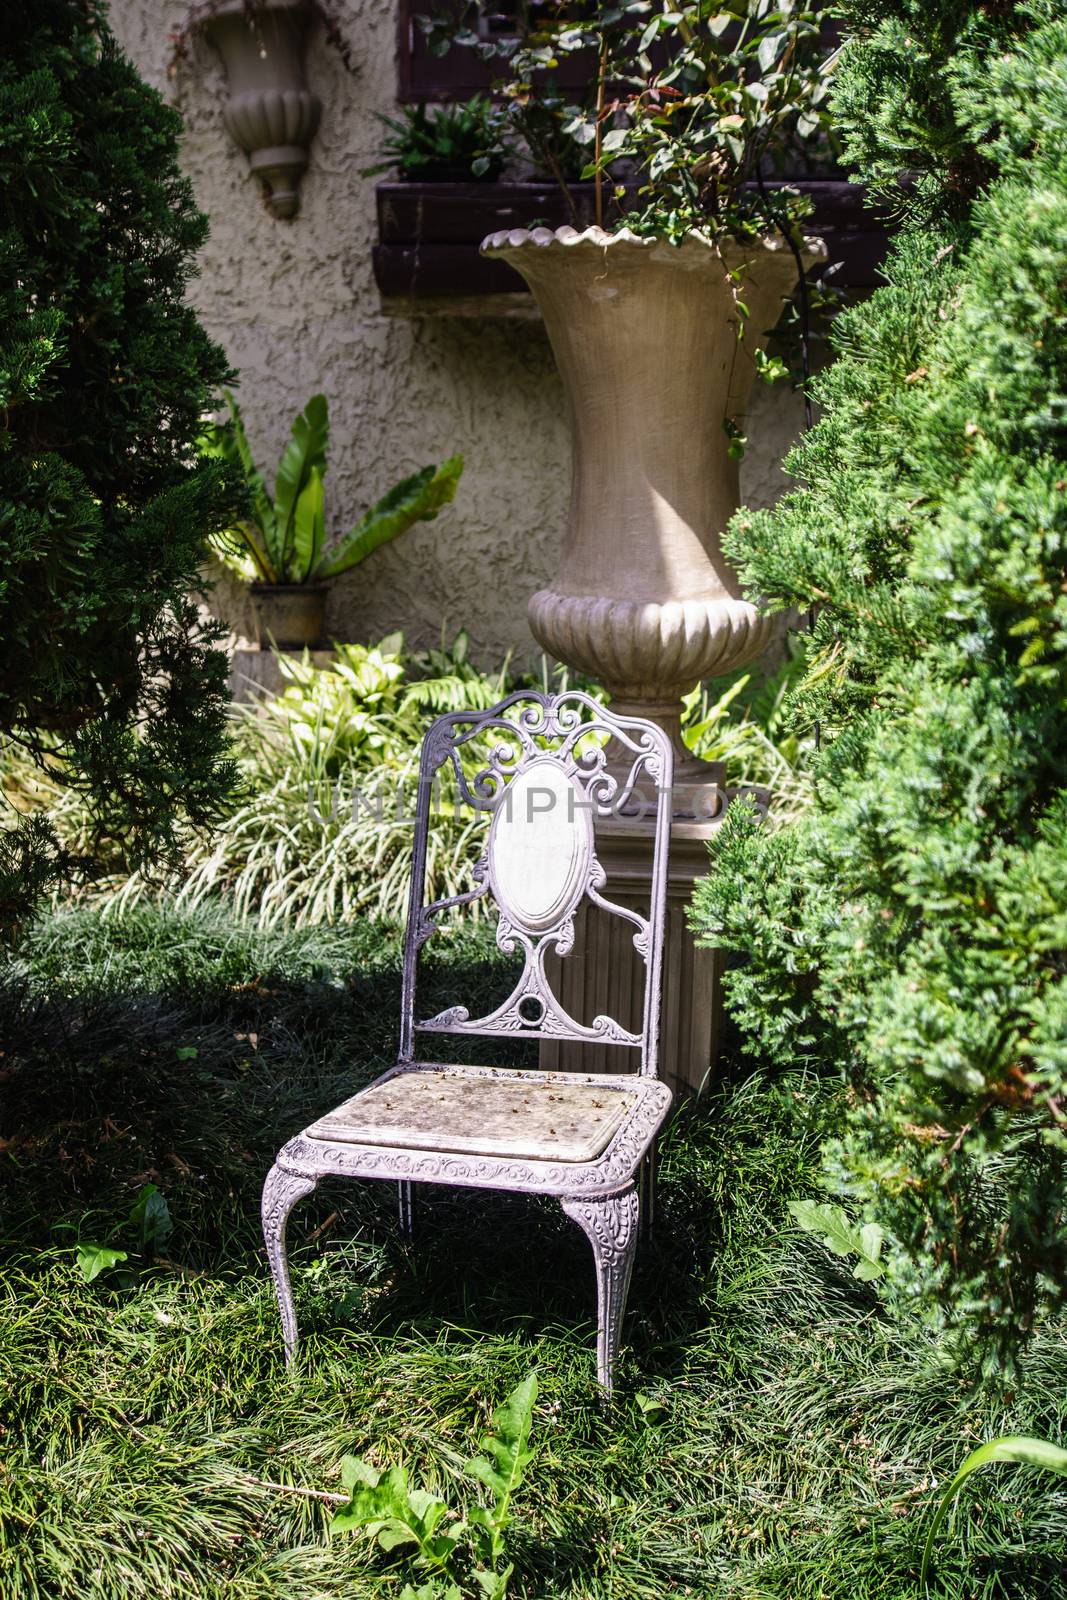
{"x": 104, "y": 508}
{"x": 911, "y": 930}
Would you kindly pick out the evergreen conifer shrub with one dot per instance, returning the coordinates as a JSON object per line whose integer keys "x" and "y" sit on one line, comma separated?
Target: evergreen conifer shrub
{"x": 911, "y": 929}
{"x": 107, "y": 674}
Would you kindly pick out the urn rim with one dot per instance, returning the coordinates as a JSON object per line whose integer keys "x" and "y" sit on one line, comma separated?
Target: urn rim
{"x": 509, "y": 242}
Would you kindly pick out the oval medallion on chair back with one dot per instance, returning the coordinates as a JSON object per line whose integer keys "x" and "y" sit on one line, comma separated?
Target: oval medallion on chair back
{"x": 540, "y": 847}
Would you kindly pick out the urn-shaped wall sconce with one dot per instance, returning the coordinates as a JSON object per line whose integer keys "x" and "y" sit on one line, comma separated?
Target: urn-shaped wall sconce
{"x": 270, "y": 112}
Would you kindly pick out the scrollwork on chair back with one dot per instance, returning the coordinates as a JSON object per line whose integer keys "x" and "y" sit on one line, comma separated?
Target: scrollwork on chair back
{"x": 555, "y": 765}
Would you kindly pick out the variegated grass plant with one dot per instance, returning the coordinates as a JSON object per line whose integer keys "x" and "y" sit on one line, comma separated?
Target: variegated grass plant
{"x": 321, "y": 828}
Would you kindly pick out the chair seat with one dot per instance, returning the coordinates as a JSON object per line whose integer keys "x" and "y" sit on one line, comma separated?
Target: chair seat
{"x": 551, "y": 1116}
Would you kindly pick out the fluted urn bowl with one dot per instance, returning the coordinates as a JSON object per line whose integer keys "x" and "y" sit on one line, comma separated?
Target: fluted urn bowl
{"x": 645, "y": 334}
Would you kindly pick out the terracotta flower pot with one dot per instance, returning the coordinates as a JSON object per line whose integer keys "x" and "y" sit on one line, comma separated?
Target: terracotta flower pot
{"x": 289, "y": 615}
{"x": 645, "y": 334}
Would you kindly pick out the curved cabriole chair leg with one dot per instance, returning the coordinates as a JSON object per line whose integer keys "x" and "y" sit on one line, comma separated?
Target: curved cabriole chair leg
{"x": 280, "y": 1193}
{"x": 611, "y": 1227}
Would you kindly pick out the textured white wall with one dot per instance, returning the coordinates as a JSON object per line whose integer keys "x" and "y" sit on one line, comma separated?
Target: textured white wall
{"x": 296, "y": 309}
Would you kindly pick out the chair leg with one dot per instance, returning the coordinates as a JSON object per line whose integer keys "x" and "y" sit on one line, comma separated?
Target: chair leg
{"x": 647, "y": 1189}
{"x": 406, "y": 1199}
{"x": 280, "y": 1193}
{"x": 611, "y": 1227}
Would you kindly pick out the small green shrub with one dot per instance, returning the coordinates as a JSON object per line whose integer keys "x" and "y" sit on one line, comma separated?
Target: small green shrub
{"x": 394, "y": 1514}
{"x": 463, "y": 141}
{"x": 330, "y": 771}
{"x": 466, "y": 141}
{"x": 145, "y": 1230}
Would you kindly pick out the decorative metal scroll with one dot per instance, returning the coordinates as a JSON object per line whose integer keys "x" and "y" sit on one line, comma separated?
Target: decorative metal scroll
{"x": 539, "y": 869}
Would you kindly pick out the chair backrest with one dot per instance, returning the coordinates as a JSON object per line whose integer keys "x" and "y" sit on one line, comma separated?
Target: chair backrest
{"x": 546, "y": 767}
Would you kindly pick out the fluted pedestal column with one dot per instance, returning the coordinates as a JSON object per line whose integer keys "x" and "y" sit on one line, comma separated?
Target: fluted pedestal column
{"x": 646, "y": 337}
{"x": 603, "y": 975}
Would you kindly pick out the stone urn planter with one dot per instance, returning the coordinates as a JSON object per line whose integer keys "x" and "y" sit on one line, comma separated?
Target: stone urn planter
{"x": 289, "y": 615}
{"x": 645, "y": 334}
{"x": 270, "y": 111}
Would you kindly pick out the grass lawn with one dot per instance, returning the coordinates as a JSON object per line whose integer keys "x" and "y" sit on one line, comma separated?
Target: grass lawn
{"x": 778, "y": 1431}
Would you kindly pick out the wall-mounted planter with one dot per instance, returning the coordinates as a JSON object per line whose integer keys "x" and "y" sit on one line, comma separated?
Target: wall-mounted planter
{"x": 270, "y": 111}
{"x": 429, "y": 234}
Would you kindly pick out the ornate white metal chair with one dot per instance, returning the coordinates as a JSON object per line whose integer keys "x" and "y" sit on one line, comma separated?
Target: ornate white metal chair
{"x": 553, "y": 765}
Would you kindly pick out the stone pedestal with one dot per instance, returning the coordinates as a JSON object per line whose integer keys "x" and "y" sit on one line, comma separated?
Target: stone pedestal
{"x": 256, "y": 672}
{"x": 604, "y": 974}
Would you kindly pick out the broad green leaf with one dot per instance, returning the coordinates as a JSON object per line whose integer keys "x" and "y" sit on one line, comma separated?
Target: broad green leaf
{"x": 355, "y": 1470}
{"x": 494, "y": 1585}
{"x": 769, "y": 50}
{"x": 718, "y": 710}
{"x": 415, "y": 499}
{"x": 93, "y": 1259}
{"x": 648, "y": 1405}
{"x": 261, "y": 506}
{"x": 388, "y": 1511}
{"x": 240, "y": 443}
{"x": 834, "y": 1228}
{"x": 396, "y": 1533}
{"x": 507, "y": 1445}
{"x": 872, "y": 1238}
{"x": 829, "y": 1222}
{"x": 216, "y": 441}
{"x": 306, "y": 449}
{"x": 1014, "y": 1447}
{"x": 309, "y": 527}
{"x": 151, "y": 1217}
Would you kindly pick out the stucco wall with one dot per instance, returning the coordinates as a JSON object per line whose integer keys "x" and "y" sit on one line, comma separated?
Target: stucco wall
{"x": 296, "y": 309}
